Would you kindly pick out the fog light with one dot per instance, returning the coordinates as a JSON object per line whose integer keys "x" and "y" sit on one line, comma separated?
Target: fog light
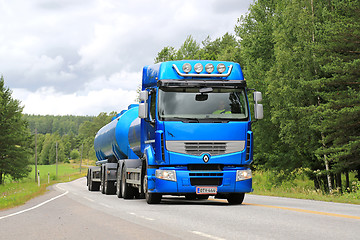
{"x": 186, "y": 67}
{"x": 169, "y": 175}
{"x": 209, "y": 68}
{"x": 243, "y": 175}
{"x": 198, "y": 67}
{"x": 221, "y": 68}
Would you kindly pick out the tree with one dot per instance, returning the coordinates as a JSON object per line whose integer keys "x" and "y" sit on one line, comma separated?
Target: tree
{"x": 166, "y": 54}
{"x": 74, "y": 154}
{"x": 188, "y": 50}
{"x": 14, "y": 137}
{"x": 337, "y": 89}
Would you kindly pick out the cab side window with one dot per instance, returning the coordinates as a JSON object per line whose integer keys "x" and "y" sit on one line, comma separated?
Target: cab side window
{"x": 152, "y": 105}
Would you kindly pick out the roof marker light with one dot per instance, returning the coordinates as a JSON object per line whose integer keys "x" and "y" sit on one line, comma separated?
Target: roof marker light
{"x": 198, "y": 67}
{"x": 221, "y": 67}
{"x": 186, "y": 67}
{"x": 209, "y": 68}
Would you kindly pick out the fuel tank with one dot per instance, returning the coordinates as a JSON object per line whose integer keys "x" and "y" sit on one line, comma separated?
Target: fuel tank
{"x": 120, "y": 139}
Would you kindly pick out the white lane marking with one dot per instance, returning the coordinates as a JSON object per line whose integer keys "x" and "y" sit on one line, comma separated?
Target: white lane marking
{"x": 32, "y": 208}
{"x": 207, "y": 235}
{"x": 105, "y": 205}
{"x": 146, "y": 218}
{"x": 89, "y": 199}
{"x": 143, "y": 217}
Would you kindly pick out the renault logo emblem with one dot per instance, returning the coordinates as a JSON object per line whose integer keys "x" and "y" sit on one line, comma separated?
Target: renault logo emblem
{"x": 206, "y": 158}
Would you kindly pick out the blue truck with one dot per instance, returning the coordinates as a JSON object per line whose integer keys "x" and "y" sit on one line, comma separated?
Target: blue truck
{"x": 190, "y": 136}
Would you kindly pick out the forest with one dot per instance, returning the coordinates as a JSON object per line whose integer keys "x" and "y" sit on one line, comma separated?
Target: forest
{"x": 304, "y": 56}
{"x": 72, "y": 135}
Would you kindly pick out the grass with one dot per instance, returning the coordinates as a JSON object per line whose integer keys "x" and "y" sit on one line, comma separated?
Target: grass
{"x": 13, "y": 193}
{"x": 265, "y": 183}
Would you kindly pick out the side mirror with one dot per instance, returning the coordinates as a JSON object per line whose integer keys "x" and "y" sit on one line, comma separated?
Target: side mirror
{"x": 258, "y": 108}
{"x": 257, "y": 97}
{"x": 143, "y": 110}
{"x": 144, "y": 95}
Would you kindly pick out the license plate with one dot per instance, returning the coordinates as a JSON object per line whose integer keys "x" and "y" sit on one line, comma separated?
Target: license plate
{"x": 206, "y": 190}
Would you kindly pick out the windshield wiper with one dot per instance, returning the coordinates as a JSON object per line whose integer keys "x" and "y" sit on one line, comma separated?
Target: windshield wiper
{"x": 183, "y": 118}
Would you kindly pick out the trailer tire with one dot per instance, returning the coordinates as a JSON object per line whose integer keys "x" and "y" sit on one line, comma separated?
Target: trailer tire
{"x": 109, "y": 188}
{"x": 127, "y": 192}
{"x": 92, "y": 186}
{"x": 102, "y": 184}
{"x": 235, "y": 198}
{"x": 118, "y": 183}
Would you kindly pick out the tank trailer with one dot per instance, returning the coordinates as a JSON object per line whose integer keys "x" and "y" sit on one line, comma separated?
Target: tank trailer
{"x": 190, "y": 136}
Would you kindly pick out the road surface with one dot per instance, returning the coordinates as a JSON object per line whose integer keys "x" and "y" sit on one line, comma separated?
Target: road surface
{"x": 70, "y": 211}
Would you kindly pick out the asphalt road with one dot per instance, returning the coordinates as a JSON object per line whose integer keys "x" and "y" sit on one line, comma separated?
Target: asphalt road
{"x": 70, "y": 211}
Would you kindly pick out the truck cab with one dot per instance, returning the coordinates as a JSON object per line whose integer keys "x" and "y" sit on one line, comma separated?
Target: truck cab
{"x": 196, "y": 136}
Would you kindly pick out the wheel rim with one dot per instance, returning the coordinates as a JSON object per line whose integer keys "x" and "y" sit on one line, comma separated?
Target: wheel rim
{"x": 123, "y": 183}
{"x": 118, "y": 185}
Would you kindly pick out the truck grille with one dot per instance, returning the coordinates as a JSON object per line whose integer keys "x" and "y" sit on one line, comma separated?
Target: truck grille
{"x": 198, "y": 148}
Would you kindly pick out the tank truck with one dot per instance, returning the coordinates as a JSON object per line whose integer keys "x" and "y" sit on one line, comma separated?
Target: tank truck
{"x": 190, "y": 136}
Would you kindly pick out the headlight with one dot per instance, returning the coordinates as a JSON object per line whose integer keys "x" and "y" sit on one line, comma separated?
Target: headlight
{"x": 209, "y": 68}
{"x": 221, "y": 67}
{"x": 169, "y": 175}
{"x": 198, "y": 67}
{"x": 243, "y": 175}
{"x": 186, "y": 67}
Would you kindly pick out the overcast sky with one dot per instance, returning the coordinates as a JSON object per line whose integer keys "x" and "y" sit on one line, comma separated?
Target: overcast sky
{"x": 83, "y": 57}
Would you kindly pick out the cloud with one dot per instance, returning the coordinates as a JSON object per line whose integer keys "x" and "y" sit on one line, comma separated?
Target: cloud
{"x": 46, "y": 101}
{"x": 74, "y": 50}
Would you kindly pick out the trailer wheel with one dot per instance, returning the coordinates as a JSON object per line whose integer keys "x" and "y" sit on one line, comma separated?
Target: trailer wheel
{"x": 92, "y": 186}
{"x": 126, "y": 191}
{"x": 102, "y": 184}
{"x": 118, "y": 183}
{"x": 151, "y": 198}
{"x": 109, "y": 188}
{"x": 235, "y": 198}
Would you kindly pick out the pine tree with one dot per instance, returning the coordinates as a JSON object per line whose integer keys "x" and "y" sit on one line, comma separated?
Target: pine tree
{"x": 14, "y": 137}
{"x": 338, "y": 108}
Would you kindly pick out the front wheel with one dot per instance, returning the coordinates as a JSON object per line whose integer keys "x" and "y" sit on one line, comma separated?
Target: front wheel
{"x": 151, "y": 198}
{"x": 235, "y": 198}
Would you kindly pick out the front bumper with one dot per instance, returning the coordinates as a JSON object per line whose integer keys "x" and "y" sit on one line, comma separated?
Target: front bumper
{"x": 187, "y": 181}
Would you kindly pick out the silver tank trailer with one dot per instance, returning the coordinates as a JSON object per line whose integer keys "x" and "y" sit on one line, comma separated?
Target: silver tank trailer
{"x": 119, "y": 139}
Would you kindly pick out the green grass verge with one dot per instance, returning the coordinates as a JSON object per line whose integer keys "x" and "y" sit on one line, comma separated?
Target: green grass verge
{"x": 264, "y": 183}
{"x": 13, "y": 194}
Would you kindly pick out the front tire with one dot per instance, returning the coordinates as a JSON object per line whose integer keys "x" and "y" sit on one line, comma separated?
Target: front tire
{"x": 235, "y": 198}
{"x": 151, "y": 198}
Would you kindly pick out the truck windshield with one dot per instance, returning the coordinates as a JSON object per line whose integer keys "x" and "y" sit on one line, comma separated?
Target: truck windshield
{"x": 214, "y": 104}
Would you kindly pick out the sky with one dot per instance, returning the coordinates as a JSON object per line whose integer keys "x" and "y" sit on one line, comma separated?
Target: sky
{"x": 84, "y": 57}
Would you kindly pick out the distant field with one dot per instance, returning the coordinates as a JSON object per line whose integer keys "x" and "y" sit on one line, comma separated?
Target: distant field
{"x": 63, "y": 170}
{"x": 17, "y": 193}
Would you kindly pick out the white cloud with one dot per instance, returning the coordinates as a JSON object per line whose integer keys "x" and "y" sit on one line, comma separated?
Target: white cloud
{"x": 62, "y": 56}
{"x": 47, "y": 101}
